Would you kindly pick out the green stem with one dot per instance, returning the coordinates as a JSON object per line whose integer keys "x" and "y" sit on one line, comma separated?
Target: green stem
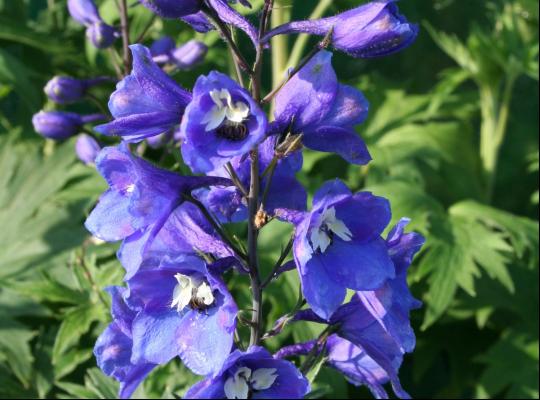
{"x": 302, "y": 40}
{"x": 493, "y": 130}
{"x": 280, "y": 44}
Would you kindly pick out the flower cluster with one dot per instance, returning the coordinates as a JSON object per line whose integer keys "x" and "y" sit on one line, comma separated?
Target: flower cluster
{"x": 176, "y": 249}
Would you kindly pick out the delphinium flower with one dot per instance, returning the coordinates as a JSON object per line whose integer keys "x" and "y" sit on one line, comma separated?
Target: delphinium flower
{"x": 140, "y": 200}
{"x": 221, "y": 122}
{"x": 59, "y": 125}
{"x": 313, "y": 103}
{"x": 372, "y": 330}
{"x": 177, "y": 248}
{"x": 371, "y": 30}
{"x": 338, "y": 245}
{"x": 147, "y": 102}
{"x": 253, "y": 374}
{"x": 65, "y": 89}
{"x": 184, "y": 310}
{"x": 98, "y": 32}
{"x": 87, "y": 149}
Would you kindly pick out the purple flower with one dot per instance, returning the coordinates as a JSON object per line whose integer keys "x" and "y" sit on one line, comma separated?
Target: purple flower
{"x": 113, "y": 349}
{"x": 315, "y": 104}
{"x": 139, "y": 202}
{"x": 64, "y": 89}
{"x": 357, "y": 366}
{"x": 173, "y": 8}
{"x": 147, "y": 102}
{"x": 87, "y": 148}
{"x": 189, "y": 55}
{"x": 59, "y": 125}
{"x": 185, "y": 57}
{"x": 183, "y": 311}
{"x": 372, "y": 30}
{"x": 190, "y": 12}
{"x": 254, "y": 374}
{"x": 284, "y": 191}
{"x": 101, "y": 35}
{"x": 98, "y": 32}
{"x": 221, "y": 122}
{"x": 84, "y": 12}
{"x": 373, "y": 329}
{"x": 338, "y": 245}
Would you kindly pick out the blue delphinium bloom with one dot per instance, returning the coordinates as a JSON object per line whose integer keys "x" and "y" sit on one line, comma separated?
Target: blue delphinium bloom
{"x": 313, "y": 103}
{"x": 284, "y": 192}
{"x": 113, "y": 349}
{"x": 147, "y": 102}
{"x": 254, "y": 374}
{"x": 338, "y": 245}
{"x": 373, "y": 330}
{"x": 184, "y": 310}
{"x": 87, "y": 149}
{"x": 59, "y": 125}
{"x": 64, "y": 89}
{"x": 221, "y": 122}
{"x": 86, "y": 13}
{"x": 371, "y": 30}
{"x": 138, "y": 203}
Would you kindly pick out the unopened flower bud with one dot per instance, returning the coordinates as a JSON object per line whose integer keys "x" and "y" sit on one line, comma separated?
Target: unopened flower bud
{"x": 59, "y": 125}
{"x": 64, "y": 89}
{"x": 189, "y": 55}
{"x": 371, "y": 30}
{"x": 87, "y": 149}
{"x": 84, "y": 12}
{"x": 101, "y": 35}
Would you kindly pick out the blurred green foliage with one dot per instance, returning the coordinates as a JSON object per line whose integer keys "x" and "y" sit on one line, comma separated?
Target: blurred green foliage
{"x": 453, "y": 131}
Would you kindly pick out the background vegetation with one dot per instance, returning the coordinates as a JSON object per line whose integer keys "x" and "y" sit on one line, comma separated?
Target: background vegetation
{"x": 453, "y": 130}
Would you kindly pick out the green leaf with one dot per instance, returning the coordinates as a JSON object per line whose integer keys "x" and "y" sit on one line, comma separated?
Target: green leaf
{"x": 69, "y": 360}
{"x": 18, "y": 75}
{"x": 15, "y": 32}
{"x": 49, "y": 290}
{"x": 77, "y": 391}
{"x": 522, "y": 232}
{"x": 512, "y": 367}
{"x": 76, "y": 322}
{"x": 15, "y": 348}
{"x": 38, "y": 228}
{"x": 103, "y": 386}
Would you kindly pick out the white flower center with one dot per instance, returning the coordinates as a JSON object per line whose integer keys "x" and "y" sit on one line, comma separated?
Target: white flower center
{"x": 223, "y": 109}
{"x": 239, "y": 385}
{"x": 190, "y": 290}
{"x": 328, "y": 225}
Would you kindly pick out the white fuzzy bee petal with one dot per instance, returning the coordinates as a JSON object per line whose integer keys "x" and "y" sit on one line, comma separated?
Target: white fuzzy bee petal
{"x": 182, "y": 292}
{"x": 236, "y": 387}
{"x": 263, "y": 378}
{"x": 204, "y": 292}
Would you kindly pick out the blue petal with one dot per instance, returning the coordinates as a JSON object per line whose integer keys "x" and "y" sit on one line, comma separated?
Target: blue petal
{"x": 358, "y": 266}
{"x": 309, "y": 96}
{"x": 329, "y": 193}
{"x": 110, "y": 220}
{"x": 321, "y": 291}
{"x": 342, "y": 141}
